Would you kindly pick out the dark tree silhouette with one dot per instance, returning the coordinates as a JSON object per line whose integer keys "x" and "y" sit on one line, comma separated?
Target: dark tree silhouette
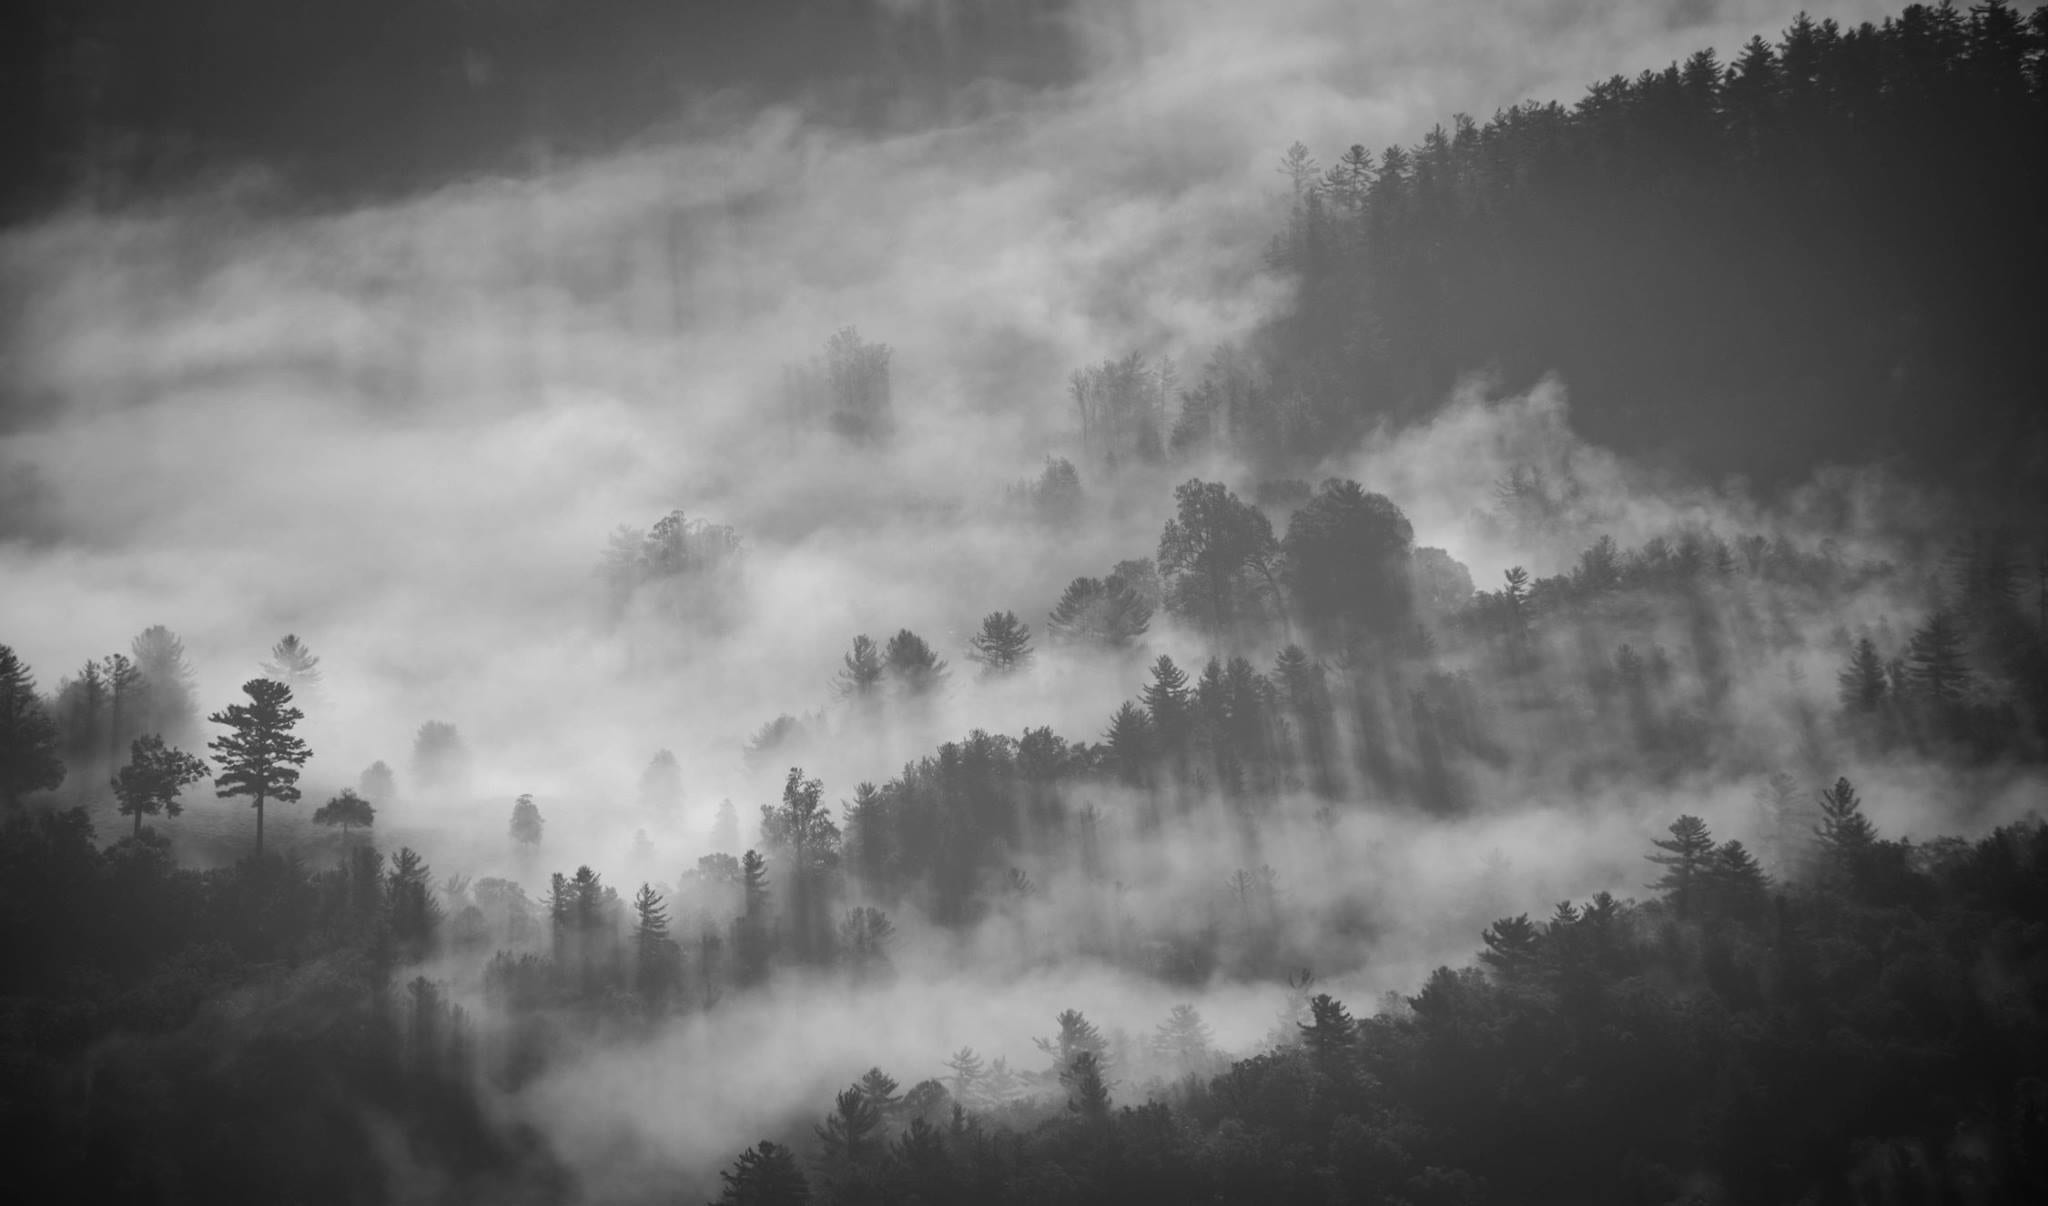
{"x": 259, "y": 755}
{"x": 29, "y": 761}
{"x": 1218, "y": 558}
{"x": 153, "y": 779}
{"x": 766, "y": 1174}
{"x": 912, "y": 665}
{"x": 1685, "y": 856}
{"x": 347, "y": 811}
{"x": 1346, "y": 565}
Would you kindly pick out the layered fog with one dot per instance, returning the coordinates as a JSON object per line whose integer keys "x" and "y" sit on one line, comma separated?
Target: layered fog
{"x": 409, "y": 433}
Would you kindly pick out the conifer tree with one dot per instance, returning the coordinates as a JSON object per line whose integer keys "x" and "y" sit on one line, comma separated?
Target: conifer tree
{"x": 651, "y": 945}
{"x": 1329, "y": 1035}
{"x": 1185, "y": 1039}
{"x": 1130, "y": 743}
{"x": 1862, "y": 682}
{"x": 967, "y": 1069}
{"x": 1935, "y": 660}
{"x": 765, "y": 1175}
{"x": 409, "y": 900}
{"x": 880, "y": 1089}
{"x": 28, "y": 737}
{"x": 1087, "y": 1091}
{"x": 1685, "y": 854}
{"x": 259, "y": 755}
{"x": 153, "y": 779}
{"x": 1166, "y": 703}
{"x": 861, "y": 677}
{"x": 293, "y": 664}
{"x": 750, "y": 929}
{"x": 913, "y": 666}
{"x": 849, "y": 1131}
{"x": 165, "y": 699}
{"x": 124, "y": 683}
{"x": 1003, "y": 645}
{"x": 1106, "y": 613}
{"x": 1844, "y": 831}
{"x": 526, "y": 821}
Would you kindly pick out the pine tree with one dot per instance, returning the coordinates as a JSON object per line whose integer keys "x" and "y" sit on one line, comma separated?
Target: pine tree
{"x": 1185, "y": 1039}
{"x": 765, "y": 1175}
{"x": 154, "y": 777}
{"x": 1166, "y": 703}
{"x": 260, "y": 756}
{"x": 750, "y": 930}
{"x": 1087, "y": 1091}
{"x": 1329, "y": 1035}
{"x": 1510, "y": 946}
{"x": 1844, "y": 831}
{"x": 967, "y": 1071}
{"x": 1935, "y": 660}
{"x": 861, "y": 677}
{"x": 1002, "y": 646}
{"x": 1685, "y": 852}
{"x": 526, "y": 821}
{"x": 1105, "y": 613}
{"x": 651, "y": 944}
{"x": 293, "y": 664}
{"x": 1130, "y": 743}
{"x": 124, "y": 683}
{"x": 849, "y": 1131}
{"x": 880, "y": 1090}
{"x": 913, "y": 666}
{"x": 1863, "y": 680}
{"x": 28, "y": 737}
{"x": 165, "y": 700}
{"x": 346, "y": 811}
{"x": 409, "y": 901}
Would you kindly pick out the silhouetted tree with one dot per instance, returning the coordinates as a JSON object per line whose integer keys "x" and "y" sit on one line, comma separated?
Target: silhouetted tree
{"x": 29, "y": 760}
{"x": 861, "y": 677}
{"x": 1685, "y": 854}
{"x": 1347, "y": 560}
{"x": 765, "y": 1175}
{"x": 1002, "y": 646}
{"x": 1862, "y": 682}
{"x": 346, "y": 811}
{"x": 154, "y": 777}
{"x": 912, "y": 665}
{"x": 1936, "y": 661}
{"x": 259, "y": 755}
{"x": 1107, "y": 613}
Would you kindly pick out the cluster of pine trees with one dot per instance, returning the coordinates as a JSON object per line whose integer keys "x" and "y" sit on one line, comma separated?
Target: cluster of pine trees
{"x": 1862, "y": 1030}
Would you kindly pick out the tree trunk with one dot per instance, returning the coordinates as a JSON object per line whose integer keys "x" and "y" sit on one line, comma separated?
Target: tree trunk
{"x": 138, "y": 822}
{"x": 259, "y": 827}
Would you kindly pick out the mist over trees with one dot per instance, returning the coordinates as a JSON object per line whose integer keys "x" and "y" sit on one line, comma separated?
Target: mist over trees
{"x": 1323, "y": 840}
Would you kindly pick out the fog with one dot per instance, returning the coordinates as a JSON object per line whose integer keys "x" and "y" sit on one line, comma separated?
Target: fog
{"x": 404, "y": 432}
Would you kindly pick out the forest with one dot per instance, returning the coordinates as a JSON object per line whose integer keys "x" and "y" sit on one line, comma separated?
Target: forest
{"x": 1659, "y": 821}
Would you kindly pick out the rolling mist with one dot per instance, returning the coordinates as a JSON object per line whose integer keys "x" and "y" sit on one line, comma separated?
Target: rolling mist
{"x": 432, "y": 425}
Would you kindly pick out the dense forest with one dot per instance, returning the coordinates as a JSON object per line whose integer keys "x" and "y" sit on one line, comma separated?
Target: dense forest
{"x": 1802, "y": 961}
